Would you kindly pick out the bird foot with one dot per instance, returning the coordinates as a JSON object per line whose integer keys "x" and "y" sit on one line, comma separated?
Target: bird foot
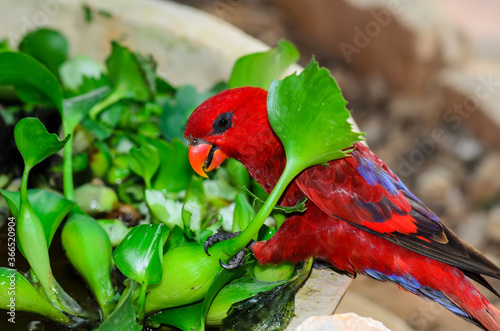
{"x": 236, "y": 261}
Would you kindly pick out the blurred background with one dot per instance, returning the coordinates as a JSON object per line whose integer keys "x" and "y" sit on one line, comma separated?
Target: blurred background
{"x": 422, "y": 79}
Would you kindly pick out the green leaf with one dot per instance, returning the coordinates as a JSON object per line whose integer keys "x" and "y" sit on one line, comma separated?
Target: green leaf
{"x": 174, "y": 172}
{"x": 76, "y": 109}
{"x": 24, "y": 72}
{"x": 34, "y": 142}
{"x": 238, "y": 290}
{"x": 48, "y": 46}
{"x": 243, "y": 213}
{"x": 176, "y": 112}
{"x": 144, "y": 162}
{"x": 129, "y": 76}
{"x": 50, "y": 208}
{"x": 186, "y": 318}
{"x": 308, "y": 114}
{"x": 259, "y": 69}
{"x": 164, "y": 210}
{"x": 115, "y": 229}
{"x": 271, "y": 310}
{"x": 88, "y": 248}
{"x": 223, "y": 277}
{"x": 14, "y": 285}
{"x": 124, "y": 317}
{"x": 194, "y": 208}
{"x": 74, "y": 71}
{"x": 140, "y": 254}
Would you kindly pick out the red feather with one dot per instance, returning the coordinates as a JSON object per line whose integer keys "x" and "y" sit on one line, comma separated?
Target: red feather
{"x": 360, "y": 217}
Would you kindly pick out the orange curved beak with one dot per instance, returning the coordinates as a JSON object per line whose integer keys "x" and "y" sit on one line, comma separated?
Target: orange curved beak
{"x": 205, "y": 157}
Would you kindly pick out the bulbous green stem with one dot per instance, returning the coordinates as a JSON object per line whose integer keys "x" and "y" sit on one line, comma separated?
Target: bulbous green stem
{"x": 232, "y": 246}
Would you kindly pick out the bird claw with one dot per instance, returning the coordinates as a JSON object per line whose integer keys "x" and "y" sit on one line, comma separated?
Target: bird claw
{"x": 219, "y": 236}
{"x": 236, "y": 261}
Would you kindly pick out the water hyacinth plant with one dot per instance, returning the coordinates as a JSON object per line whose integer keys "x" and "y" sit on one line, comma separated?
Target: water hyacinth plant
{"x": 123, "y": 202}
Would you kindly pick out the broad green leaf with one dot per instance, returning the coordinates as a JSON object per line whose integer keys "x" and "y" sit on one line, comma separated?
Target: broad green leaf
{"x": 139, "y": 256}
{"x": 23, "y": 71}
{"x": 115, "y": 229}
{"x": 308, "y": 114}
{"x": 129, "y": 76}
{"x": 271, "y": 310}
{"x": 223, "y": 277}
{"x": 77, "y": 108}
{"x": 237, "y": 173}
{"x": 186, "y": 318}
{"x": 164, "y": 210}
{"x": 4, "y": 45}
{"x": 237, "y": 290}
{"x": 144, "y": 162}
{"x": 259, "y": 69}
{"x": 14, "y": 285}
{"x": 50, "y": 208}
{"x": 176, "y": 112}
{"x": 174, "y": 172}
{"x": 48, "y": 46}
{"x": 243, "y": 213}
{"x": 88, "y": 248}
{"x": 194, "y": 208}
{"x": 124, "y": 317}
{"x": 34, "y": 142}
{"x": 74, "y": 71}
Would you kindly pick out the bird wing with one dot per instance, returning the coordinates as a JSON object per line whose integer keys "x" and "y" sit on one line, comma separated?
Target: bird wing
{"x": 362, "y": 190}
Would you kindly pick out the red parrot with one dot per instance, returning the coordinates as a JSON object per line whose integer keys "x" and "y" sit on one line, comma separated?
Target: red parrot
{"x": 360, "y": 217}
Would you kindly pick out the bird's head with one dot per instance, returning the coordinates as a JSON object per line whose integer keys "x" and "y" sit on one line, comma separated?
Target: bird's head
{"x": 232, "y": 124}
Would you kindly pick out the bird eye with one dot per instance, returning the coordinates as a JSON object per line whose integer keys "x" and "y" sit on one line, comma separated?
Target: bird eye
{"x": 222, "y": 123}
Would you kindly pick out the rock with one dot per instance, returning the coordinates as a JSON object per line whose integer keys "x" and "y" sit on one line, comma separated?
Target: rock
{"x": 473, "y": 230}
{"x": 361, "y": 305}
{"x": 341, "y": 322}
{"x": 360, "y": 33}
{"x": 493, "y": 223}
{"x": 436, "y": 186}
{"x": 484, "y": 186}
{"x": 320, "y": 295}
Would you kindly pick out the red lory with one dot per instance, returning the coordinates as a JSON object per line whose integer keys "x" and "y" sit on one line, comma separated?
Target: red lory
{"x": 360, "y": 217}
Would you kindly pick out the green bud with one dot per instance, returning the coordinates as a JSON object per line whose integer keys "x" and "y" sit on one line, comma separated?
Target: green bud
{"x": 100, "y": 159}
{"x": 187, "y": 275}
{"x": 17, "y": 294}
{"x": 273, "y": 272}
{"x": 88, "y": 248}
{"x": 94, "y": 199}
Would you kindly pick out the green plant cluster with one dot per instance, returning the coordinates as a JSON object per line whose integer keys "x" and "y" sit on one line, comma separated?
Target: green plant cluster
{"x": 123, "y": 153}
{"x": 130, "y": 205}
